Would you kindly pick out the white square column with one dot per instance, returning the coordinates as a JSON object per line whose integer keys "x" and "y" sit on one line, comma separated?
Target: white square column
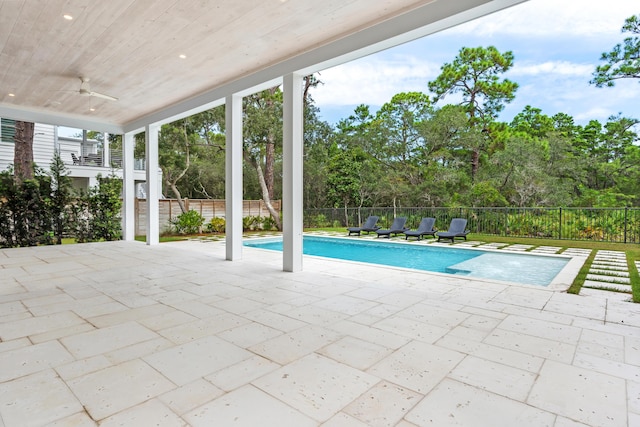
{"x": 106, "y": 151}
{"x": 128, "y": 188}
{"x": 292, "y": 155}
{"x": 153, "y": 192}
{"x": 233, "y": 177}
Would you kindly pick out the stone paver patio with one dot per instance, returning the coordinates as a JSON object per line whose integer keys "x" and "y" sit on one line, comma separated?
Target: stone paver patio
{"x": 172, "y": 335}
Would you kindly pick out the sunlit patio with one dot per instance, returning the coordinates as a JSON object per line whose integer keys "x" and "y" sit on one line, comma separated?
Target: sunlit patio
{"x": 128, "y": 334}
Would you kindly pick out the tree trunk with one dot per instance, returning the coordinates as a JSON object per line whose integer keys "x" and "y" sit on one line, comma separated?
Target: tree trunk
{"x": 395, "y": 213}
{"x": 269, "y": 162}
{"x": 173, "y": 183}
{"x": 265, "y": 191}
{"x": 346, "y": 213}
{"x": 475, "y": 163}
{"x": 270, "y": 149}
{"x": 176, "y": 192}
{"x": 23, "y": 151}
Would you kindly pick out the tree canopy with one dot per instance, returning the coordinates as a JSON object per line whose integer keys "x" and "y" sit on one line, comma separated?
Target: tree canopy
{"x": 419, "y": 150}
{"x": 475, "y": 74}
{"x": 623, "y": 61}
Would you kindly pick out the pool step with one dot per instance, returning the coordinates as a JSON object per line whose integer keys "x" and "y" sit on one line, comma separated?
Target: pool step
{"x": 458, "y": 271}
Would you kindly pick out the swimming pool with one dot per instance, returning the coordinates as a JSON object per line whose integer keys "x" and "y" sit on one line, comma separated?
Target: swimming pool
{"x": 512, "y": 267}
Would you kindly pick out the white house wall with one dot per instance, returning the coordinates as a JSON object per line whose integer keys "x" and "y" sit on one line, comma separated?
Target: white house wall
{"x": 43, "y": 148}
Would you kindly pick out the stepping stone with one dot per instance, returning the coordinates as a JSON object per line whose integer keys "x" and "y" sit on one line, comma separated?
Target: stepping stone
{"x": 608, "y": 272}
{"x": 467, "y": 244}
{"x": 577, "y": 252}
{"x": 609, "y": 260}
{"x": 495, "y": 245}
{"x": 609, "y": 267}
{"x": 603, "y": 285}
{"x": 616, "y": 253}
{"x": 546, "y": 249}
{"x": 607, "y": 294}
{"x": 608, "y": 279}
{"x": 518, "y": 248}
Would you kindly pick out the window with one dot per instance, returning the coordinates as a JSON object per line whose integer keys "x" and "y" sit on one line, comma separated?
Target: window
{"x": 7, "y": 130}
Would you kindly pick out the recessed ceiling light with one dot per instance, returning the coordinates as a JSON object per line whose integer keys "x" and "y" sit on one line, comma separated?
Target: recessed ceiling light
{"x": 67, "y": 17}
{"x": 182, "y": 56}
{"x": 92, "y": 109}
{"x": 12, "y": 94}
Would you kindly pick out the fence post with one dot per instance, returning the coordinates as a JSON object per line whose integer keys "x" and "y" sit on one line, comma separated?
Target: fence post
{"x": 506, "y": 221}
{"x": 560, "y": 226}
{"x": 625, "y": 223}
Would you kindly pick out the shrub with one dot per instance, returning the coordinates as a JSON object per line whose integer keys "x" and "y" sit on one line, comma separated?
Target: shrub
{"x": 61, "y": 198}
{"x": 268, "y": 223}
{"x": 188, "y": 222}
{"x": 24, "y": 209}
{"x": 250, "y": 223}
{"x": 320, "y": 221}
{"x": 104, "y": 209}
{"x": 80, "y": 220}
{"x": 216, "y": 225}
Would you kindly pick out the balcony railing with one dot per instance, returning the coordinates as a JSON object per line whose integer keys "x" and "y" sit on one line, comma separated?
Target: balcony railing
{"x": 98, "y": 159}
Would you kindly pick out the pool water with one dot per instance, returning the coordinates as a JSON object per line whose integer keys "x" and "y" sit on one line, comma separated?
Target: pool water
{"x": 511, "y": 267}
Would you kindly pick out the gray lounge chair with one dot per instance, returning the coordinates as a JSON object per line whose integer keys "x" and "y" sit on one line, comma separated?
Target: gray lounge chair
{"x": 396, "y": 228}
{"x": 368, "y": 226}
{"x": 424, "y": 229}
{"x": 456, "y": 229}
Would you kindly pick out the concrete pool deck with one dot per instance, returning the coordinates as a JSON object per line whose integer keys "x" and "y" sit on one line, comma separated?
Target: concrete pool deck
{"x": 127, "y": 334}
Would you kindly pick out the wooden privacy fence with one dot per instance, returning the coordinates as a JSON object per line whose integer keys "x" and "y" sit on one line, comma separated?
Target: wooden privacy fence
{"x": 208, "y": 208}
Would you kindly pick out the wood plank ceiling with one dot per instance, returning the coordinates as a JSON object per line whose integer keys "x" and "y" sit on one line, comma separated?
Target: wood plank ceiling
{"x": 131, "y": 49}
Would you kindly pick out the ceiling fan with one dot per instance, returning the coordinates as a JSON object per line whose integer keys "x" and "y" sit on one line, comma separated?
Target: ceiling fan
{"x": 85, "y": 90}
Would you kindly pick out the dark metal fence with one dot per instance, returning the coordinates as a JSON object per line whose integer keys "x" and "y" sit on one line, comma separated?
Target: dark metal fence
{"x": 596, "y": 224}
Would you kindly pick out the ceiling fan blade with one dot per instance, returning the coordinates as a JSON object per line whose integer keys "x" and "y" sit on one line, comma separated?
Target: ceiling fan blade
{"x": 103, "y": 96}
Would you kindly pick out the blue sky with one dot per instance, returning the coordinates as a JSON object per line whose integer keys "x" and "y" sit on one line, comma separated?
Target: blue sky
{"x": 556, "y": 46}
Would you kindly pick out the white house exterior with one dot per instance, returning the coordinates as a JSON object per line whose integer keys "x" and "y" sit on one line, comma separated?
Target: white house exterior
{"x": 84, "y": 158}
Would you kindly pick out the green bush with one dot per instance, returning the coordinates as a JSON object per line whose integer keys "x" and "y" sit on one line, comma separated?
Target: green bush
{"x": 80, "y": 220}
{"x": 216, "y": 225}
{"x": 268, "y": 223}
{"x": 104, "y": 209}
{"x": 250, "y": 223}
{"x": 61, "y": 198}
{"x": 24, "y": 210}
{"x": 188, "y": 222}
{"x": 320, "y": 221}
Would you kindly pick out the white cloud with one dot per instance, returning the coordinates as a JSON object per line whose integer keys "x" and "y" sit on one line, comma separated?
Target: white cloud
{"x": 558, "y": 68}
{"x": 553, "y": 17}
{"x": 373, "y": 80}
{"x": 552, "y": 67}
